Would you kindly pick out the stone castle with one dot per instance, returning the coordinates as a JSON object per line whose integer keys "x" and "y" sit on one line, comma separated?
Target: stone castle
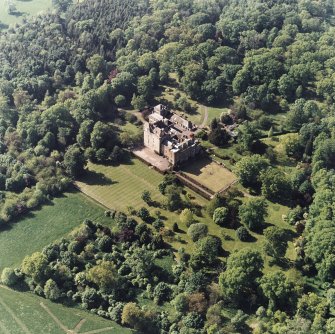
{"x": 170, "y": 136}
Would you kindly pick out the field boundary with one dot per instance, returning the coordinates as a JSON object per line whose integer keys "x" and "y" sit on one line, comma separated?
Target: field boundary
{"x": 104, "y": 206}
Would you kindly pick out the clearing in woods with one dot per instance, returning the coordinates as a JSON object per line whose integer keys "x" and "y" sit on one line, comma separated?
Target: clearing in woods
{"x": 25, "y": 313}
{"x": 23, "y": 9}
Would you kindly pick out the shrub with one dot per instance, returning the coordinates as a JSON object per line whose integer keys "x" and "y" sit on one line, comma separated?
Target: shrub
{"x": 242, "y": 233}
{"x": 120, "y": 100}
{"x": 186, "y": 217}
{"x": 144, "y": 214}
{"x": 51, "y": 290}
{"x": 162, "y": 292}
{"x": 181, "y": 303}
{"x": 132, "y": 316}
{"x": 8, "y": 277}
{"x": 220, "y": 216}
{"x": 197, "y": 231}
{"x": 193, "y": 320}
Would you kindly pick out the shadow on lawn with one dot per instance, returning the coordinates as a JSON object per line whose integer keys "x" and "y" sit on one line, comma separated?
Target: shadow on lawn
{"x": 95, "y": 178}
{"x": 196, "y": 165}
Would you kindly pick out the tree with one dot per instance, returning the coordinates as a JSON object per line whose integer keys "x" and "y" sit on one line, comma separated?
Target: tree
{"x": 138, "y": 102}
{"x": 132, "y": 316}
{"x": 239, "y": 282}
{"x": 146, "y": 196}
{"x": 242, "y": 233}
{"x": 275, "y": 185}
{"x": 194, "y": 75}
{"x": 206, "y": 252}
{"x": 220, "y": 216}
{"x": 84, "y": 133}
{"x": 74, "y": 161}
{"x": 35, "y": 266}
{"x": 253, "y": 213}
{"x": 310, "y": 305}
{"x": 144, "y": 214}
{"x": 120, "y": 101}
{"x": 180, "y": 303}
{"x": 197, "y": 302}
{"x": 219, "y": 136}
{"x": 215, "y": 203}
{"x": 96, "y": 64}
{"x": 197, "y": 231}
{"x": 162, "y": 292}
{"x": 9, "y": 277}
{"x": 238, "y": 320}
{"x": 186, "y": 217}
{"x": 326, "y": 269}
{"x": 103, "y": 136}
{"x": 275, "y": 244}
{"x": 279, "y": 291}
{"x": 104, "y": 275}
{"x": 248, "y": 169}
{"x": 144, "y": 88}
{"x": 62, "y": 5}
{"x": 247, "y": 135}
{"x": 51, "y": 290}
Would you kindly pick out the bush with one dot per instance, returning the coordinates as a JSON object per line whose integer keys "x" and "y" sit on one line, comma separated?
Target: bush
{"x": 242, "y": 233}
{"x": 144, "y": 214}
{"x": 220, "y": 216}
{"x": 193, "y": 320}
{"x": 115, "y": 313}
{"x": 120, "y": 100}
{"x": 8, "y": 277}
{"x": 162, "y": 292}
{"x": 186, "y": 217}
{"x": 158, "y": 224}
{"x": 181, "y": 303}
{"x": 51, "y": 290}
{"x": 197, "y": 231}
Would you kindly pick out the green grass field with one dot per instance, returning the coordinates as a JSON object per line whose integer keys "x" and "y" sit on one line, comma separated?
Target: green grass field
{"x": 25, "y": 313}
{"x": 122, "y": 186}
{"x": 210, "y": 174}
{"x": 24, "y": 8}
{"x": 215, "y": 112}
{"x": 41, "y": 227}
{"x": 118, "y": 187}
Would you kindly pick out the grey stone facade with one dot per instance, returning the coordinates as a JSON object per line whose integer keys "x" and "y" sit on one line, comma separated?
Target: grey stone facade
{"x": 171, "y": 136}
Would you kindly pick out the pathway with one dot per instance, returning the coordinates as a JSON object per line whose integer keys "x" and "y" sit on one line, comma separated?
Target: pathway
{"x": 16, "y": 319}
{"x": 25, "y": 330}
{"x": 204, "y": 122}
{"x": 77, "y": 327}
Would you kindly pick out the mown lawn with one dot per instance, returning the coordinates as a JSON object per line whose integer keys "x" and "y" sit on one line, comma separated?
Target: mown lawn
{"x": 122, "y": 186}
{"x": 118, "y": 187}
{"x": 215, "y": 112}
{"x": 209, "y": 173}
{"x": 24, "y": 8}
{"x": 22, "y": 312}
{"x": 41, "y": 227}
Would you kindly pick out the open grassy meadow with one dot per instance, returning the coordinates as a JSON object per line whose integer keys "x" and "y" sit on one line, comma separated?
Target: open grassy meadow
{"x": 41, "y": 227}
{"x": 23, "y": 8}
{"x": 25, "y": 313}
{"x": 210, "y": 174}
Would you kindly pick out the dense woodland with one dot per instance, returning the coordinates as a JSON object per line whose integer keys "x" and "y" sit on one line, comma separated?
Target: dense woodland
{"x": 64, "y": 76}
